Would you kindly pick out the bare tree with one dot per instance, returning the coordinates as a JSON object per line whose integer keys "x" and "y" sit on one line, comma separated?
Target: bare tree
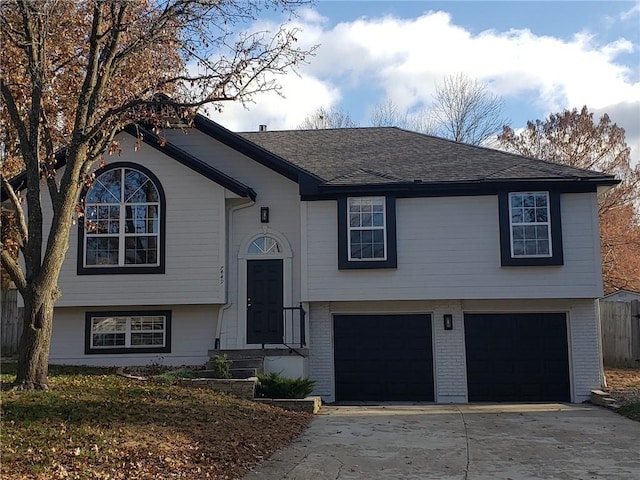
{"x": 73, "y": 75}
{"x": 388, "y": 114}
{"x": 573, "y": 138}
{"x": 322, "y": 119}
{"x": 465, "y": 111}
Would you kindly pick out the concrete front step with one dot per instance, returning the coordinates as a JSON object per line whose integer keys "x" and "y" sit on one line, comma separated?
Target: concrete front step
{"x": 242, "y": 367}
{"x": 247, "y": 363}
{"x": 245, "y": 372}
{"x": 259, "y": 353}
{"x": 250, "y": 362}
{"x": 601, "y": 398}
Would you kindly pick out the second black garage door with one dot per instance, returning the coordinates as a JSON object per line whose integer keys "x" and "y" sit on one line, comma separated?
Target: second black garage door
{"x": 383, "y": 358}
{"x": 517, "y": 357}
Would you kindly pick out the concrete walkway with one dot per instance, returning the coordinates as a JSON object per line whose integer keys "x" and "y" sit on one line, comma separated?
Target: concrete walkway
{"x": 465, "y": 442}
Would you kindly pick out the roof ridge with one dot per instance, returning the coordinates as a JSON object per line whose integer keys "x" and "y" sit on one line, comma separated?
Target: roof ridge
{"x": 289, "y": 130}
{"x": 506, "y": 152}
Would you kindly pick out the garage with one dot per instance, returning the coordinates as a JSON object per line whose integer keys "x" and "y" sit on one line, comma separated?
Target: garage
{"x": 517, "y": 357}
{"x": 383, "y": 358}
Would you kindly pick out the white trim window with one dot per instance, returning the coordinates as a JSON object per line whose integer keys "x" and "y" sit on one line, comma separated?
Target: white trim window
{"x": 122, "y": 220}
{"x": 114, "y": 332}
{"x": 265, "y": 245}
{"x": 530, "y": 224}
{"x": 366, "y": 226}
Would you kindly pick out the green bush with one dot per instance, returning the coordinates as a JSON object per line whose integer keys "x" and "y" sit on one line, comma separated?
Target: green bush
{"x": 221, "y": 366}
{"x": 272, "y": 385}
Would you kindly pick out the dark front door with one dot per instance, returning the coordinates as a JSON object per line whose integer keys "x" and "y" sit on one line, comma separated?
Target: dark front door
{"x": 519, "y": 357}
{"x": 383, "y": 358}
{"x": 264, "y": 301}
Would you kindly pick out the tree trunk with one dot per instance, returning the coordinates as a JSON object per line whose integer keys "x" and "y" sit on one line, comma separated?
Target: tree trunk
{"x": 33, "y": 359}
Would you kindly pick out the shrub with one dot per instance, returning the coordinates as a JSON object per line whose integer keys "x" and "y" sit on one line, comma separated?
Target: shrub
{"x": 221, "y": 366}
{"x": 272, "y": 385}
{"x": 172, "y": 376}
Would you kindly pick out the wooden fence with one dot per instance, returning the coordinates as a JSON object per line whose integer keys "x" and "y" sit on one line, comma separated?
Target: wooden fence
{"x": 620, "y": 332}
{"x": 10, "y": 322}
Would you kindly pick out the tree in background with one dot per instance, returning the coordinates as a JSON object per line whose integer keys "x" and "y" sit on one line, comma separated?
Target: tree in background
{"x": 388, "y": 114}
{"x": 323, "y": 118}
{"x": 74, "y": 74}
{"x": 573, "y": 138}
{"x": 465, "y": 111}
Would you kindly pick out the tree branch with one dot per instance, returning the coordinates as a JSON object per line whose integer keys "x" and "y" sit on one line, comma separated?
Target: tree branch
{"x": 105, "y": 63}
{"x": 15, "y": 201}
{"x": 14, "y": 114}
{"x": 82, "y": 111}
{"x": 15, "y": 272}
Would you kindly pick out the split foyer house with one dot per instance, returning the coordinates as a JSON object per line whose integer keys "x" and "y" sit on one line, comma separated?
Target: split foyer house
{"x": 382, "y": 263}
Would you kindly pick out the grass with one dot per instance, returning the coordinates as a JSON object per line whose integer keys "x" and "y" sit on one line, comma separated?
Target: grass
{"x": 94, "y": 424}
{"x": 631, "y": 410}
{"x": 624, "y": 386}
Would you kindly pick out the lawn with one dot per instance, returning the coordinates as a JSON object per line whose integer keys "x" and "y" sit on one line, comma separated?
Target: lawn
{"x": 94, "y": 424}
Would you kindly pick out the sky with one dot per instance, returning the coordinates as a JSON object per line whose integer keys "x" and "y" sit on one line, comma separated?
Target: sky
{"x": 540, "y": 57}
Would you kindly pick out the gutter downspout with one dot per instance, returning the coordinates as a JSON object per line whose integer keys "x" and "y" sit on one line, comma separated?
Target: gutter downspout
{"x": 603, "y": 377}
{"x": 226, "y": 306}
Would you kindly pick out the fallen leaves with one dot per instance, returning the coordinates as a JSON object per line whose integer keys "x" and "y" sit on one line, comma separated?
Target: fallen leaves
{"x": 102, "y": 426}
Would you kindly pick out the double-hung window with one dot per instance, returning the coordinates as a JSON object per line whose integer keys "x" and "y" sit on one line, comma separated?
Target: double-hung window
{"x": 120, "y": 332}
{"x": 530, "y": 224}
{"x": 366, "y": 227}
{"x": 123, "y": 222}
{"x": 367, "y": 237}
{"x": 530, "y": 228}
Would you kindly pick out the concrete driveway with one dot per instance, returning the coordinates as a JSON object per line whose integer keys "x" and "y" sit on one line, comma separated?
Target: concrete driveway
{"x": 470, "y": 442}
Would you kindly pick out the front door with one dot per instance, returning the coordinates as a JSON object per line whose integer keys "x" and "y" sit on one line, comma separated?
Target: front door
{"x": 264, "y": 301}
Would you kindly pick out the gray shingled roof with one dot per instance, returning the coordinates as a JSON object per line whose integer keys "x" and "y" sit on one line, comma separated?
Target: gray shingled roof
{"x": 390, "y": 155}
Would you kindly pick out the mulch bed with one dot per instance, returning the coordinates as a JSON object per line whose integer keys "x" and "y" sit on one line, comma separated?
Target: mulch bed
{"x": 623, "y": 384}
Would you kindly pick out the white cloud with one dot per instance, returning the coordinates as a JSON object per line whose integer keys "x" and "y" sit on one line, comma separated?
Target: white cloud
{"x": 406, "y": 58}
{"x": 626, "y": 115}
{"x": 631, "y": 13}
{"x": 303, "y": 94}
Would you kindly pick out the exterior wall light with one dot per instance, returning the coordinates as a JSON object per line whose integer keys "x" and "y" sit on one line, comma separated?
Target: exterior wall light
{"x": 448, "y": 321}
{"x": 264, "y": 214}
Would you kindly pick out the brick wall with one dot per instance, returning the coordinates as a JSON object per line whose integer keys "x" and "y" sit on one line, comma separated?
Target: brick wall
{"x": 239, "y": 388}
{"x": 321, "y": 350}
{"x": 449, "y": 354}
{"x": 584, "y": 339}
{"x": 449, "y": 345}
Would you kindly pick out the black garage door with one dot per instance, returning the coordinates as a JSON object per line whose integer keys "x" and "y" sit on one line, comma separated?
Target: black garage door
{"x": 383, "y": 358}
{"x": 517, "y": 357}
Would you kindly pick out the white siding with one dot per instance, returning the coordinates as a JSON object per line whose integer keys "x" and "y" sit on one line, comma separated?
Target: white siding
{"x": 192, "y": 335}
{"x": 274, "y": 191}
{"x": 195, "y": 244}
{"x": 448, "y": 248}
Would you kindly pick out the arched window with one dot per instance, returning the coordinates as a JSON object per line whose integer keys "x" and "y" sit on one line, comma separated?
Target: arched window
{"x": 122, "y": 228}
{"x": 265, "y": 245}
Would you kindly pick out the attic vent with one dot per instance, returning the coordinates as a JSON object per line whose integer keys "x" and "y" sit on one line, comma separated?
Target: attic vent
{"x": 262, "y": 128}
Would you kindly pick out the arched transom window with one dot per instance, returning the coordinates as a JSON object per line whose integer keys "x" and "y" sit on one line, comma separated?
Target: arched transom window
{"x": 265, "y": 245}
{"x": 122, "y": 222}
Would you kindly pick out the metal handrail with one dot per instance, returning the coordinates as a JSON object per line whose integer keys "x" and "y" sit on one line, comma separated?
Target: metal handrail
{"x": 302, "y": 316}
